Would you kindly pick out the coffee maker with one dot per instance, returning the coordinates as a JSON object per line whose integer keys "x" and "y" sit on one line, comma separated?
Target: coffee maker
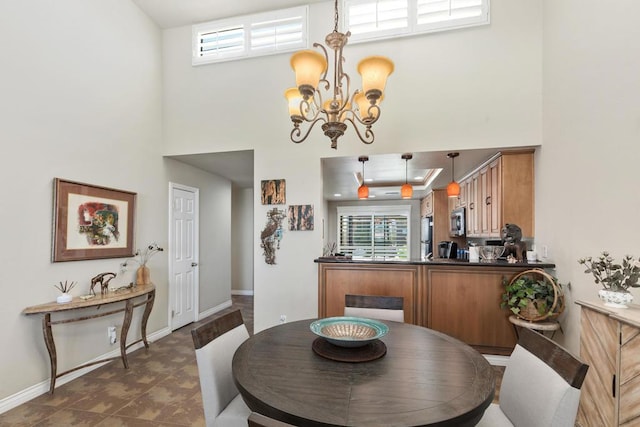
{"x": 447, "y": 249}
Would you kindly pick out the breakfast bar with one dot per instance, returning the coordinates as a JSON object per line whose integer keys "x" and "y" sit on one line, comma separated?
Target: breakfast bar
{"x": 456, "y": 297}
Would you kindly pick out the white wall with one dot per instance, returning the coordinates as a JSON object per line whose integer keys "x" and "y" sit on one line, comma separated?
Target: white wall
{"x": 81, "y": 100}
{"x": 587, "y": 169}
{"x": 243, "y": 240}
{"x": 472, "y": 88}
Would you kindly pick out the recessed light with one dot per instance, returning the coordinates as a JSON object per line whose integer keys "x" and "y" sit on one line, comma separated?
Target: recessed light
{"x": 372, "y": 196}
{"x": 337, "y": 195}
{"x": 368, "y": 180}
{"x": 418, "y": 178}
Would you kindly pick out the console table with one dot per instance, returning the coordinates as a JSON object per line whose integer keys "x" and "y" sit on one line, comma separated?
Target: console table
{"x": 128, "y": 295}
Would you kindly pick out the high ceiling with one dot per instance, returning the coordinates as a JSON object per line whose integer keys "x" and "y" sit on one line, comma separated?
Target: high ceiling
{"x": 340, "y": 173}
{"x": 176, "y": 13}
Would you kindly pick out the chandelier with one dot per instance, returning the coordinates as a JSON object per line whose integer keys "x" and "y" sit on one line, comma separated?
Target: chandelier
{"x": 360, "y": 108}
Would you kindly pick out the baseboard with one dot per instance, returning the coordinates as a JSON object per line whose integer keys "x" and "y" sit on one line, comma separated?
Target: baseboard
{"x": 215, "y": 309}
{"x": 36, "y": 390}
{"x": 496, "y": 360}
{"x": 241, "y": 292}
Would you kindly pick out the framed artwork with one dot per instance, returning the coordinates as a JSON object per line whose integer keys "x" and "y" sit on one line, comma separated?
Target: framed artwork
{"x": 273, "y": 192}
{"x": 91, "y": 222}
{"x": 300, "y": 217}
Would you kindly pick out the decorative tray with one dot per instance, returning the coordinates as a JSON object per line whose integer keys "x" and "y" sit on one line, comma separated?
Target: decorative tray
{"x": 349, "y": 331}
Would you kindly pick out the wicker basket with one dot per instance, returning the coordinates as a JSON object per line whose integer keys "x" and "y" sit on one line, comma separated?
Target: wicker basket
{"x": 530, "y": 312}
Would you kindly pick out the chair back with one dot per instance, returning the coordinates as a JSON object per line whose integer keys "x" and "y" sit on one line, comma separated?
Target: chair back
{"x": 374, "y": 307}
{"x": 215, "y": 343}
{"x": 541, "y": 383}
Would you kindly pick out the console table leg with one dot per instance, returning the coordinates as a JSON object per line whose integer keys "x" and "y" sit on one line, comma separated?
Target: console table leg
{"x": 145, "y": 317}
{"x": 128, "y": 314}
{"x": 51, "y": 348}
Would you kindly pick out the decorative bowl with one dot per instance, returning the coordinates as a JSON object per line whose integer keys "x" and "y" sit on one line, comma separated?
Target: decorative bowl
{"x": 491, "y": 253}
{"x": 349, "y": 331}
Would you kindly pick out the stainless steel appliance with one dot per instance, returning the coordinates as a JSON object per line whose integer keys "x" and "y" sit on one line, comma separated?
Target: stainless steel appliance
{"x": 447, "y": 249}
{"x": 426, "y": 237}
{"x": 457, "y": 223}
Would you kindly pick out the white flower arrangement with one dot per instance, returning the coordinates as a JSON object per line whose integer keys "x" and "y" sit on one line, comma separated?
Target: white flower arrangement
{"x": 142, "y": 257}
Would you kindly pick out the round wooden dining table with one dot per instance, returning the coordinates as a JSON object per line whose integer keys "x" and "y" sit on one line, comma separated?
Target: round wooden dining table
{"x": 426, "y": 378}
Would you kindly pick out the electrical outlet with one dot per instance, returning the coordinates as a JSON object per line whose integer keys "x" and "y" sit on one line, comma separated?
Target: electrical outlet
{"x": 111, "y": 333}
{"x": 545, "y": 252}
{"x": 283, "y": 318}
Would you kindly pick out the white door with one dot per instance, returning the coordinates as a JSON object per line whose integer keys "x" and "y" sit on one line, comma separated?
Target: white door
{"x": 183, "y": 250}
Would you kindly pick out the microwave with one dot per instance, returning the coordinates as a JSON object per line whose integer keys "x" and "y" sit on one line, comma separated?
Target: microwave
{"x": 456, "y": 228}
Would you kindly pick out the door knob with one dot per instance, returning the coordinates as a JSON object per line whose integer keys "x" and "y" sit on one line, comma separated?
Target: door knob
{"x": 194, "y": 264}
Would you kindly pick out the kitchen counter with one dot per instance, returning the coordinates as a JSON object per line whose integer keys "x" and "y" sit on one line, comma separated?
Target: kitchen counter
{"x": 440, "y": 261}
{"x": 456, "y": 297}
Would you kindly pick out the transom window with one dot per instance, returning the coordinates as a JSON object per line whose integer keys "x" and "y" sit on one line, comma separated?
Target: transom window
{"x": 250, "y": 35}
{"x": 374, "y": 232}
{"x": 378, "y": 19}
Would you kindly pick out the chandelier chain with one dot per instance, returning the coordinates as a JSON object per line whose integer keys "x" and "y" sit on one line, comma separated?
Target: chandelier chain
{"x": 336, "y": 18}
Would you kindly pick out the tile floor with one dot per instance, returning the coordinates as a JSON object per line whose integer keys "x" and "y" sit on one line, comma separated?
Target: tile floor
{"x": 160, "y": 388}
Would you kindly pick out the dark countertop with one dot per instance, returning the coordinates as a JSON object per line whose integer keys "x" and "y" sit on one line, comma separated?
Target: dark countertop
{"x": 438, "y": 261}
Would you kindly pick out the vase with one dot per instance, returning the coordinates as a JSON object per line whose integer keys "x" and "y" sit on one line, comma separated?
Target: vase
{"x": 615, "y": 299}
{"x": 143, "y": 275}
{"x": 64, "y": 298}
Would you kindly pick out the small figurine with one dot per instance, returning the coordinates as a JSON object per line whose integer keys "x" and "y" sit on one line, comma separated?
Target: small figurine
{"x": 104, "y": 284}
{"x": 511, "y": 235}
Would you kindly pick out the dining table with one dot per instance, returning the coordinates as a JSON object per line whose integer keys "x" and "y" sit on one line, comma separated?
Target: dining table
{"x": 420, "y": 378}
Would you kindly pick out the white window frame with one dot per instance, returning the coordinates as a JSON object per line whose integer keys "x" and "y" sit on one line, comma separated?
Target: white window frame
{"x": 404, "y": 210}
{"x": 300, "y": 15}
{"x": 412, "y": 27}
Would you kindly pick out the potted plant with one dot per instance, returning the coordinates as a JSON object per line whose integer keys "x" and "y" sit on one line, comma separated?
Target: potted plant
{"x": 615, "y": 278}
{"x": 533, "y": 295}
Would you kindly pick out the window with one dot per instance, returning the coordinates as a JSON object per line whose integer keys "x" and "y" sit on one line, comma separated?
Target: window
{"x": 251, "y": 35}
{"x": 374, "y": 232}
{"x": 378, "y": 19}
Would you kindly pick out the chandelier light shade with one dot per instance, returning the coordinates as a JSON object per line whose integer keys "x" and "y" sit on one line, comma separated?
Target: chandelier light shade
{"x": 363, "y": 190}
{"x": 360, "y": 108}
{"x": 406, "y": 191}
{"x": 453, "y": 189}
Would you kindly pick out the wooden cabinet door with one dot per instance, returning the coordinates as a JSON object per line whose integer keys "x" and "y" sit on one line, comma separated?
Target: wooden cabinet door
{"x": 485, "y": 200}
{"x": 426, "y": 205}
{"x": 473, "y": 206}
{"x": 629, "y": 376}
{"x": 465, "y": 303}
{"x": 599, "y": 349}
{"x": 494, "y": 198}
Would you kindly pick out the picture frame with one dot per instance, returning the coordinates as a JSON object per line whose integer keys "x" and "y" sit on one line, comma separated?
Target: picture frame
{"x": 273, "y": 192}
{"x": 300, "y": 217}
{"x": 91, "y": 222}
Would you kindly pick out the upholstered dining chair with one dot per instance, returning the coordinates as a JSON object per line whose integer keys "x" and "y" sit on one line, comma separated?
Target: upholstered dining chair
{"x": 374, "y": 307}
{"x": 215, "y": 342}
{"x": 540, "y": 387}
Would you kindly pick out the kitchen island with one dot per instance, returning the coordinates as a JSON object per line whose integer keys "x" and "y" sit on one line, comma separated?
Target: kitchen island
{"x": 457, "y": 297}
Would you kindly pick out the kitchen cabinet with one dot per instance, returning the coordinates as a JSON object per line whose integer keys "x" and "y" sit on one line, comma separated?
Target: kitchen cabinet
{"x": 501, "y": 191}
{"x": 609, "y": 344}
{"x": 426, "y": 205}
{"x": 458, "y": 298}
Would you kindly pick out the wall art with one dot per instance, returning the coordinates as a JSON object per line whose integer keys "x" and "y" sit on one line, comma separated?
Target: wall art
{"x": 273, "y": 192}
{"x": 300, "y": 217}
{"x": 91, "y": 222}
{"x": 271, "y": 235}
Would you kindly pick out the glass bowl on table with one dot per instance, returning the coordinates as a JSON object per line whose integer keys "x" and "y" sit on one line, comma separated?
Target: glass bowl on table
{"x": 349, "y": 331}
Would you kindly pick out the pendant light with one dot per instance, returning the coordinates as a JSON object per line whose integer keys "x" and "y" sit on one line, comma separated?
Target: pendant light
{"x": 406, "y": 191}
{"x": 453, "y": 189}
{"x": 363, "y": 190}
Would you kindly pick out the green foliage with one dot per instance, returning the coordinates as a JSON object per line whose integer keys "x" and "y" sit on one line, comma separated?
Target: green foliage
{"x": 613, "y": 276}
{"x": 527, "y": 289}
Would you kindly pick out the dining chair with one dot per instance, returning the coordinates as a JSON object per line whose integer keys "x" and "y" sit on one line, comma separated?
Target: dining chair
{"x": 540, "y": 387}
{"x": 259, "y": 420}
{"x": 215, "y": 343}
{"x": 374, "y": 307}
